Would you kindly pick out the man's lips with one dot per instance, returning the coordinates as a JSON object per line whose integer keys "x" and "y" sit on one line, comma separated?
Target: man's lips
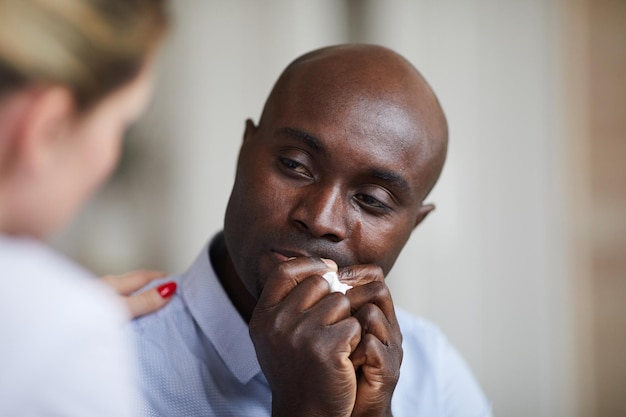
{"x": 282, "y": 255}
{"x": 345, "y": 275}
{"x": 281, "y": 252}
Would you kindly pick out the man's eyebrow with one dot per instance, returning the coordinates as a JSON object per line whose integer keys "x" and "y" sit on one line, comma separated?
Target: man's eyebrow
{"x": 310, "y": 140}
{"x": 396, "y": 180}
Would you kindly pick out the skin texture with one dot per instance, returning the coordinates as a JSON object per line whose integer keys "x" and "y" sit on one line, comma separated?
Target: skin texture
{"x": 349, "y": 144}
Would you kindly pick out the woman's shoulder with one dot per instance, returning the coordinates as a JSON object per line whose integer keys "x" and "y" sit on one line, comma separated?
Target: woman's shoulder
{"x": 40, "y": 283}
{"x": 63, "y": 345}
{"x": 33, "y": 259}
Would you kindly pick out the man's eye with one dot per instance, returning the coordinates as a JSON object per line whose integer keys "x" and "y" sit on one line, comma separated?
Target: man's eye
{"x": 373, "y": 202}
{"x": 295, "y": 166}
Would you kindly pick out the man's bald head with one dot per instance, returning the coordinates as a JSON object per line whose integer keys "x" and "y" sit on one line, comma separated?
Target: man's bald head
{"x": 345, "y": 75}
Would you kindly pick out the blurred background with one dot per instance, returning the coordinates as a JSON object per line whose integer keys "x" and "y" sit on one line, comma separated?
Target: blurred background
{"x": 523, "y": 264}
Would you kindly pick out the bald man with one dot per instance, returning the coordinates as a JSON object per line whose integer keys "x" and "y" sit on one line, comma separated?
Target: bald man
{"x": 332, "y": 180}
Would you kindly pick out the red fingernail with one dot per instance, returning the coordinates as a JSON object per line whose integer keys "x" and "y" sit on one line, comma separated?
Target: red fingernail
{"x": 167, "y": 290}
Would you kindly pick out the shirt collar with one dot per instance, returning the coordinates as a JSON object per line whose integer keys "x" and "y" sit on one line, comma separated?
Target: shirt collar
{"x": 218, "y": 318}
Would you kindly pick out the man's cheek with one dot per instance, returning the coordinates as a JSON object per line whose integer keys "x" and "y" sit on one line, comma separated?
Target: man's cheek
{"x": 381, "y": 251}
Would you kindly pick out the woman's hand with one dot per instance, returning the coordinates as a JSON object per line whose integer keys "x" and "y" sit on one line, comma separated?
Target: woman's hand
{"x": 145, "y": 302}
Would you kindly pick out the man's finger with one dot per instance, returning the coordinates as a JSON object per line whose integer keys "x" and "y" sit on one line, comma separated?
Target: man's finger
{"x": 307, "y": 294}
{"x": 373, "y": 321}
{"x": 357, "y": 275}
{"x": 376, "y": 293}
{"x": 288, "y": 275}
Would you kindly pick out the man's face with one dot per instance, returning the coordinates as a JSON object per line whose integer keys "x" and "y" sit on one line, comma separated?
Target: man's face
{"x": 326, "y": 176}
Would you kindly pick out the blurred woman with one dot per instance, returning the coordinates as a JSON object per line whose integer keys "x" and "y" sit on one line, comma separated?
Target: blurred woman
{"x": 73, "y": 75}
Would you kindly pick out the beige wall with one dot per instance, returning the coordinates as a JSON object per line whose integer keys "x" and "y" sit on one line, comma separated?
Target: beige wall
{"x": 503, "y": 264}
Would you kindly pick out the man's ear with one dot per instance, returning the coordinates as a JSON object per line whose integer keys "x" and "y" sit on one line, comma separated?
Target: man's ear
{"x": 422, "y": 213}
{"x": 43, "y": 124}
{"x": 251, "y": 129}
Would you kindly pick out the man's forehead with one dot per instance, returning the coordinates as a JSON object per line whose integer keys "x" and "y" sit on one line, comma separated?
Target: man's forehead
{"x": 374, "y": 123}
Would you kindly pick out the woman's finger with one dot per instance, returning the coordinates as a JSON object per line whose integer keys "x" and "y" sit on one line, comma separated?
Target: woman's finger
{"x": 150, "y": 300}
{"x": 130, "y": 282}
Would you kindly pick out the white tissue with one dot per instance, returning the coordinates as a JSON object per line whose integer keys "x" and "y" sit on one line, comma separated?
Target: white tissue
{"x": 335, "y": 284}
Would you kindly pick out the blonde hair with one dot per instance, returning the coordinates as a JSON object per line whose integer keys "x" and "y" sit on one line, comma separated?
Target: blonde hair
{"x": 90, "y": 46}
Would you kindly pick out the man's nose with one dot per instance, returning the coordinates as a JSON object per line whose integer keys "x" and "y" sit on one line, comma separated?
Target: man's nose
{"x": 323, "y": 212}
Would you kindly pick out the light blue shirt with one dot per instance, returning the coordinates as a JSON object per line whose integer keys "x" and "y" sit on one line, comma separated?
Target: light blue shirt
{"x": 196, "y": 359}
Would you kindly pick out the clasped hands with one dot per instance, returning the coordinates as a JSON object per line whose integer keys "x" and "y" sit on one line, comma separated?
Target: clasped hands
{"x": 327, "y": 354}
